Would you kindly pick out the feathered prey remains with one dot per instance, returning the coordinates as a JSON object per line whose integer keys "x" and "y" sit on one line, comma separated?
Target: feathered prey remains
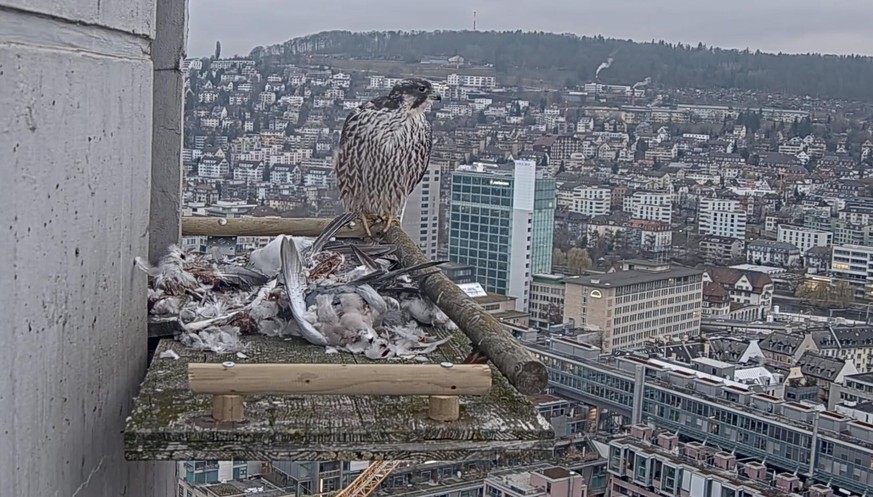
{"x": 343, "y": 295}
{"x": 384, "y": 151}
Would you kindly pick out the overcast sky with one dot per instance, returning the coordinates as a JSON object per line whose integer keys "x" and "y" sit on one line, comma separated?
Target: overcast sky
{"x": 827, "y": 26}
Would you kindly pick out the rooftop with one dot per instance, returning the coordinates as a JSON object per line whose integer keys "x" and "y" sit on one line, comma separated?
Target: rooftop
{"x": 633, "y": 277}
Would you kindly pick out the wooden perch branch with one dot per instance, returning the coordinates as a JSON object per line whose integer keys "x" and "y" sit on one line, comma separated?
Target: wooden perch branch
{"x": 261, "y": 226}
{"x": 339, "y": 379}
{"x": 524, "y": 372}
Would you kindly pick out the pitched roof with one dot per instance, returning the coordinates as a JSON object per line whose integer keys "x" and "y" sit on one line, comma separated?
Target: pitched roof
{"x": 819, "y": 366}
{"x": 727, "y": 349}
{"x": 781, "y": 343}
{"x": 728, "y": 276}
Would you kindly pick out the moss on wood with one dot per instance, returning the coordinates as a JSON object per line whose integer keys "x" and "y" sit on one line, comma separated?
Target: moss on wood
{"x": 169, "y": 422}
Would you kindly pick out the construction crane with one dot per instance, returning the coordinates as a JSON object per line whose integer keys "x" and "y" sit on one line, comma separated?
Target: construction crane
{"x": 369, "y": 480}
{"x": 364, "y": 484}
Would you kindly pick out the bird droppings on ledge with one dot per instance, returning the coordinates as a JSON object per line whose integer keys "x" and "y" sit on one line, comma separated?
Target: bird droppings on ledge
{"x": 169, "y": 422}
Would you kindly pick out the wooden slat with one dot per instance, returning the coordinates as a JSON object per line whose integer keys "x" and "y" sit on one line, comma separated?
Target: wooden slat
{"x": 339, "y": 379}
{"x": 261, "y": 226}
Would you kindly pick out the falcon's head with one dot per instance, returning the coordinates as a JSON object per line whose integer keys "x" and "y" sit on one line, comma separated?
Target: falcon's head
{"x": 414, "y": 93}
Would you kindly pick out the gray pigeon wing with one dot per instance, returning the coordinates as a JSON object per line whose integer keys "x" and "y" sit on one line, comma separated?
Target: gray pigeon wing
{"x": 295, "y": 285}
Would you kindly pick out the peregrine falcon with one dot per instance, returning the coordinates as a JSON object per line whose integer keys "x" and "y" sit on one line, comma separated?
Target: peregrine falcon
{"x": 384, "y": 151}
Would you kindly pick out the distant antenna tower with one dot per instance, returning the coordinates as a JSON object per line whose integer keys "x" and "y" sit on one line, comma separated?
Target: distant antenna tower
{"x": 474, "y": 20}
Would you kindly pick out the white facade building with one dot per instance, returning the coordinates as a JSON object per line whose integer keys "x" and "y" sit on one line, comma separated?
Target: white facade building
{"x": 591, "y": 200}
{"x": 484, "y": 82}
{"x": 722, "y": 217}
{"x": 421, "y": 216}
{"x": 651, "y": 206}
{"x": 854, "y": 264}
{"x": 804, "y": 238}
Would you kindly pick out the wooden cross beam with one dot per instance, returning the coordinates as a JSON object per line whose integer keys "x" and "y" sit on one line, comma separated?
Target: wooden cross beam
{"x": 443, "y": 383}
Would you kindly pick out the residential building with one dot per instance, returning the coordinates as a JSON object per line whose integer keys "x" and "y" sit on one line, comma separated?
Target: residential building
{"x": 421, "y": 215}
{"x": 818, "y": 259}
{"x": 785, "y": 349}
{"x": 750, "y": 289}
{"x": 804, "y": 238}
{"x": 548, "y": 482}
{"x": 231, "y": 488}
{"x": 591, "y": 200}
{"x": 826, "y": 373}
{"x": 850, "y": 343}
{"x": 716, "y": 301}
{"x": 844, "y": 231}
{"x": 720, "y": 250}
{"x": 654, "y": 206}
{"x": 654, "y": 464}
{"x": 481, "y": 82}
{"x": 312, "y": 477}
{"x": 213, "y": 167}
{"x": 502, "y": 223}
{"x": 722, "y": 217}
{"x": 546, "y": 300}
{"x": 641, "y": 302}
{"x": 772, "y": 253}
{"x": 206, "y": 472}
{"x": 653, "y": 238}
{"x": 856, "y": 388}
{"x": 854, "y": 265}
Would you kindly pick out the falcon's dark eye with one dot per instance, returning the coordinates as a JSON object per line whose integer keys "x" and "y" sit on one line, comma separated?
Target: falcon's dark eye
{"x": 422, "y": 89}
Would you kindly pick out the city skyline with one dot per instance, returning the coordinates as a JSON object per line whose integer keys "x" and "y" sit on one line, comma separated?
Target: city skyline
{"x": 774, "y": 26}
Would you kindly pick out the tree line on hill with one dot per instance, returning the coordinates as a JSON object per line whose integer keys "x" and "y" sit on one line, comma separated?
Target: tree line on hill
{"x": 672, "y": 65}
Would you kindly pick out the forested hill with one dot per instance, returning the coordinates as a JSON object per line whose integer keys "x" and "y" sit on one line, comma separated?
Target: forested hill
{"x": 669, "y": 65}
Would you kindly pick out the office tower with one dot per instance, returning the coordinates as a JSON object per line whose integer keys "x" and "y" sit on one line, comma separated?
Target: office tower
{"x": 502, "y": 224}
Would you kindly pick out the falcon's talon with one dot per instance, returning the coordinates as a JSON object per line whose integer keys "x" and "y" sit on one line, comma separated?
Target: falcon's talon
{"x": 366, "y": 225}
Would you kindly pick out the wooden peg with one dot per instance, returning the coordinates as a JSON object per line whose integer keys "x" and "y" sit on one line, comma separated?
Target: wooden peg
{"x": 444, "y": 407}
{"x": 227, "y": 408}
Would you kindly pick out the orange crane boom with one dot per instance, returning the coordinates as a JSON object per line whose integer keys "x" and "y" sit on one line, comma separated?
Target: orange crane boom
{"x": 369, "y": 480}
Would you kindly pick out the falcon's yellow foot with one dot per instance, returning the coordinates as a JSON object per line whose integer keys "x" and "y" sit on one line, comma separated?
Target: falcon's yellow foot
{"x": 365, "y": 223}
{"x": 390, "y": 220}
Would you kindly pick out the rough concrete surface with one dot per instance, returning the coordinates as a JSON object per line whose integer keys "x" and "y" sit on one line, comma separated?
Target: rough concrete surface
{"x": 76, "y": 136}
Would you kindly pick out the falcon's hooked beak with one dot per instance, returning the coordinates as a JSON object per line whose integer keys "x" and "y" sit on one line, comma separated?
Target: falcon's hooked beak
{"x": 435, "y": 96}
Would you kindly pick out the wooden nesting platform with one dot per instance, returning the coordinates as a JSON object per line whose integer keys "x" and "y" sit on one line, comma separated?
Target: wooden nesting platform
{"x": 169, "y": 422}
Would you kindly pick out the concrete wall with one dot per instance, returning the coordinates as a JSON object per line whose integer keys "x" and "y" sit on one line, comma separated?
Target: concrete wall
{"x": 76, "y": 92}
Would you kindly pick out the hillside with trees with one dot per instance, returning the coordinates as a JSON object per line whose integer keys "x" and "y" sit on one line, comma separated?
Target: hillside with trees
{"x": 669, "y": 65}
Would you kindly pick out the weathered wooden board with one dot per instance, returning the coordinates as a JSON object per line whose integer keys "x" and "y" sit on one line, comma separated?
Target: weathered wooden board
{"x": 169, "y": 422}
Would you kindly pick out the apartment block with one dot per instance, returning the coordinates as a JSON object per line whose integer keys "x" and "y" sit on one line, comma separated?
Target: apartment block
{"x": 722, "y": 217}
{"x": 641, "y": 302}
{"x": 652, "y": 206}
{"x": 657, "y": 464}
{"x": 854, "y": 265}
{"x": 591, "y": 200}
{"x": 720, "y": 249}
{"x": 804, "y": 238}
